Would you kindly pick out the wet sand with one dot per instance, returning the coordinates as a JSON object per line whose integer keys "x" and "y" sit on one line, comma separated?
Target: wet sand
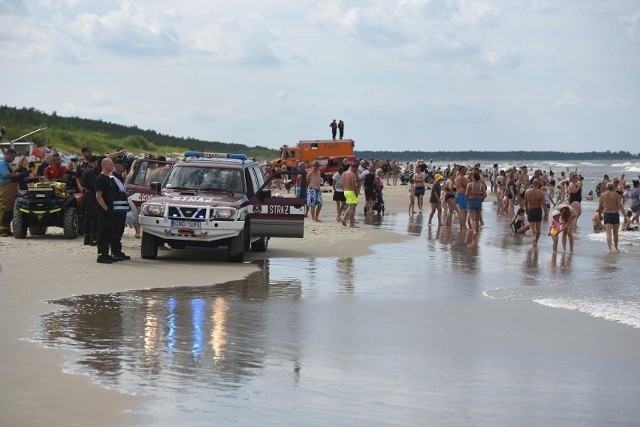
{"x": 36, "y": 392}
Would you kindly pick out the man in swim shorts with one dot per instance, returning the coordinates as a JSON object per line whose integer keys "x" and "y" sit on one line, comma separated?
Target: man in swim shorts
{"x": 609, "y": 206}
{"x": 535, "y": 205}
{"x": 314, "y": 194}
{"x": 350, "y": 185}
{"x": 461, "y": 183}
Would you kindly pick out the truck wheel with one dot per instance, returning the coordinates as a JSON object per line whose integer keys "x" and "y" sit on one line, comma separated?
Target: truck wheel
{"x": 19, "y": 225}
{"x": 260, "y": 245}
{"x": 37, "y": 230}
{"x": 70, "y": 223}
{"x": 149, "y": 246}
{"x": 236, "y": 247}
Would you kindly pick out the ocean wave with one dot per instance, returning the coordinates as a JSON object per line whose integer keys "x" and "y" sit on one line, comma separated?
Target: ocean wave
{"x": 623, "y": 312}
{"x": 631, "y": 238}
{"x": 592, "y": 164}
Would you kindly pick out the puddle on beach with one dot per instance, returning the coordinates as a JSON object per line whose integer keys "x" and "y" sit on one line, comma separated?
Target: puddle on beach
{"x": 323, "y": 340}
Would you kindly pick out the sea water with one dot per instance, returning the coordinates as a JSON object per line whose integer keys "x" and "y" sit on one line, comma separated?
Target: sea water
{"x": 419, "y": 332}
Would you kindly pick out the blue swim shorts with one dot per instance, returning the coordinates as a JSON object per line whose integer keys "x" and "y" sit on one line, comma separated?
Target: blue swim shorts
{"x": 314, "y": 197}
{"x": 461, "y": 201}
{"x": 474, "y": 204}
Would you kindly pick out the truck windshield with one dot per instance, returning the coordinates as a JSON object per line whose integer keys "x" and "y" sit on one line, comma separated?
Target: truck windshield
{"x": 204, "y": 178}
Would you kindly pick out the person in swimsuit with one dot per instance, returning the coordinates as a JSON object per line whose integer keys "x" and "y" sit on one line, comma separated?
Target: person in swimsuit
{"x": 609, "y": 206}
{"x": 475, "y": 193}
{"x": 534, "y": 205}
{"x": 419, "y": 179}
{"x": 518, "y": 223}
{"x": 461, "y": 183}
{"x": 450, "y": 198}
{"x": 555, "y": 228}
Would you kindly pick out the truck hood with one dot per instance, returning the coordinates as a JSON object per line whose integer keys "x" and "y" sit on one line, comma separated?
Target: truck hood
{"x": 199, "y": 198}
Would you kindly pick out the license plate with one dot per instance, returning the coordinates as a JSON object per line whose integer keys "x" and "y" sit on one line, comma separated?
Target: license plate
{"x": 186, "y": 224}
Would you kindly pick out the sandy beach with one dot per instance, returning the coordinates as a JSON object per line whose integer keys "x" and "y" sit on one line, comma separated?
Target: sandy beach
{"x": 36, "y": 391}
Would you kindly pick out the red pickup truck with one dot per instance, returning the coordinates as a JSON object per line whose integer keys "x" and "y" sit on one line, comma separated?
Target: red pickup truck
{"x": 330, "y": 165}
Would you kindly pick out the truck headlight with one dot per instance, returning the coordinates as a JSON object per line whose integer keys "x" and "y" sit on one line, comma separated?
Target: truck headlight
{"x": 223, "y": 214}
{"x": 151, "y": 209}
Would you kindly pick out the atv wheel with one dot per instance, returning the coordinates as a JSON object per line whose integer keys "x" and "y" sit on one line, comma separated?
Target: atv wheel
{"x": 236, "y": 247}
{"x": 37, "y": 230}
{"x": 70, "y": 223}
{"x": 19, "y": 225}
{"x": 149, "y": 246}
{"x": 260, "y": 245}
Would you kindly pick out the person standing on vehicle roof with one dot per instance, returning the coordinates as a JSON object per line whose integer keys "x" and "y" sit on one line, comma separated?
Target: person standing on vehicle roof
{"x": 104, "y": 201}
{"x": 340, "y": 128}
{"x": 334, "y": 128}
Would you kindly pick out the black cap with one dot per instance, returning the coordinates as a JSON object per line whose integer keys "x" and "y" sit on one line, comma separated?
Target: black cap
{"x": 85, "y": 149}
{"x": 118, "y": 161}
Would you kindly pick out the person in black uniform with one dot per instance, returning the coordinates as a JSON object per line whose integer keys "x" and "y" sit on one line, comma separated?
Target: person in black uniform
{"x": 88, "y": 178}
{"x": 104, "y": 201}
{"x": 120, "y": 209}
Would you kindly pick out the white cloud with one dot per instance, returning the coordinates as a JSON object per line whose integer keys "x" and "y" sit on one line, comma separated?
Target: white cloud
{"x": 259, "y": 71}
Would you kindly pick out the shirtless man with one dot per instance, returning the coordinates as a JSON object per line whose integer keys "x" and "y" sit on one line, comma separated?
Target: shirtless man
{"x": 535, "y": 205}
{"x": 314, "y": 193}
{"x": 461, "y": 183}
{"x": 609, "y": 205}
{"x": 350, "y": 185}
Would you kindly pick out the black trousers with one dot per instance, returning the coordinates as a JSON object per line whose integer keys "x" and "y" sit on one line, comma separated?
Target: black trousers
{"x": 90, "y": 214}
{"x": 105, "y": 230}
{"x": 119, "y": 221}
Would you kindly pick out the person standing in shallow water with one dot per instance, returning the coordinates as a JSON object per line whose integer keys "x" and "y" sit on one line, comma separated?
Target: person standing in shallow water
{"x": 609, "y": 205}
{"x": 334, "y": 128}
{"x": 535, "y": 205}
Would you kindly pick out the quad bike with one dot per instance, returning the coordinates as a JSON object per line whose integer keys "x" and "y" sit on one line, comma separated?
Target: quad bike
{"x": 46, "y": 204}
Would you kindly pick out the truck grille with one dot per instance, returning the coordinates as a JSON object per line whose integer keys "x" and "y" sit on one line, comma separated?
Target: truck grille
{"x": 187, "y": 213}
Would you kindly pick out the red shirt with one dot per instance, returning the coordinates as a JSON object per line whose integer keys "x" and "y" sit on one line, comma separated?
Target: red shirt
{"x": 54, "y": 172}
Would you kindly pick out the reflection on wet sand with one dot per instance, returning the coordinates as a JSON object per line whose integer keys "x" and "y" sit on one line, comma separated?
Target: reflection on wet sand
{"x": 212, "y": 333}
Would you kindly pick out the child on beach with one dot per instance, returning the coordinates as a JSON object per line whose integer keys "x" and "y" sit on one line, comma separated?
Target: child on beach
{"x": 567, "y": 219}
{"x": 518, "y": 223}
{"x": 555, "y": 228}
{"x": 412, "y": 196}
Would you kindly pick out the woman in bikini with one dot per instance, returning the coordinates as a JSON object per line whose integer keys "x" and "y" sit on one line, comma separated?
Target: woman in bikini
{"x": 449, "y": 190}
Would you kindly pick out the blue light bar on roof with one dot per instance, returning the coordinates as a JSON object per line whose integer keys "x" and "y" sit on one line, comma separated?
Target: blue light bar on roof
{"x": 208, "y": 155}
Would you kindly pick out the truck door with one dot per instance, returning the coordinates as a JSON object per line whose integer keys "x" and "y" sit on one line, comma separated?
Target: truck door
{"x": 275, "y": 213}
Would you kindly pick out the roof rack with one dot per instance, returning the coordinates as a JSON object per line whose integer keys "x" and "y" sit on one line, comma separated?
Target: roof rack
{"x": 209, "y": 155}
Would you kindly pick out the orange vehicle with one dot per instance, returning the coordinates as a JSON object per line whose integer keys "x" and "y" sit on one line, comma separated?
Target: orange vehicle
{"x": 308, "y": 151}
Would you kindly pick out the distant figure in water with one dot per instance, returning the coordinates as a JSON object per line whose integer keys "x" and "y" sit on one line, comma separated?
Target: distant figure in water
{"x": 334, "y": 128}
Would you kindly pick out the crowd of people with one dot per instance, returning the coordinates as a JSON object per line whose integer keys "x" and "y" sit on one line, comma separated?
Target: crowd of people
{"x": 529, "y": 200}
{"x": 457, "y": 191}
{"x": 100, "y": 179}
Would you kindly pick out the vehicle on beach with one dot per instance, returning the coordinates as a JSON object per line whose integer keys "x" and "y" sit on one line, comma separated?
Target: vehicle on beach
{"x": 310, "y": 150}
{"x": 330, "y": 165}
{"x": 217, "y": 199}
{"x": 46, "y": 204}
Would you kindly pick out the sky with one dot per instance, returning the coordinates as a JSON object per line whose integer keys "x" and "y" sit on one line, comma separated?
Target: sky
{"x": 424, "y": 75}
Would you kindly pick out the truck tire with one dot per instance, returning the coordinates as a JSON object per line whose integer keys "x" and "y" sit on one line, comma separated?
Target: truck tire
{"x": 70, "y": 223}
{"x": 149, "y": 246}
{"x": 260, "y": 245}
{"x": 236, "y": 247}
{"x": 19, "y": 225}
